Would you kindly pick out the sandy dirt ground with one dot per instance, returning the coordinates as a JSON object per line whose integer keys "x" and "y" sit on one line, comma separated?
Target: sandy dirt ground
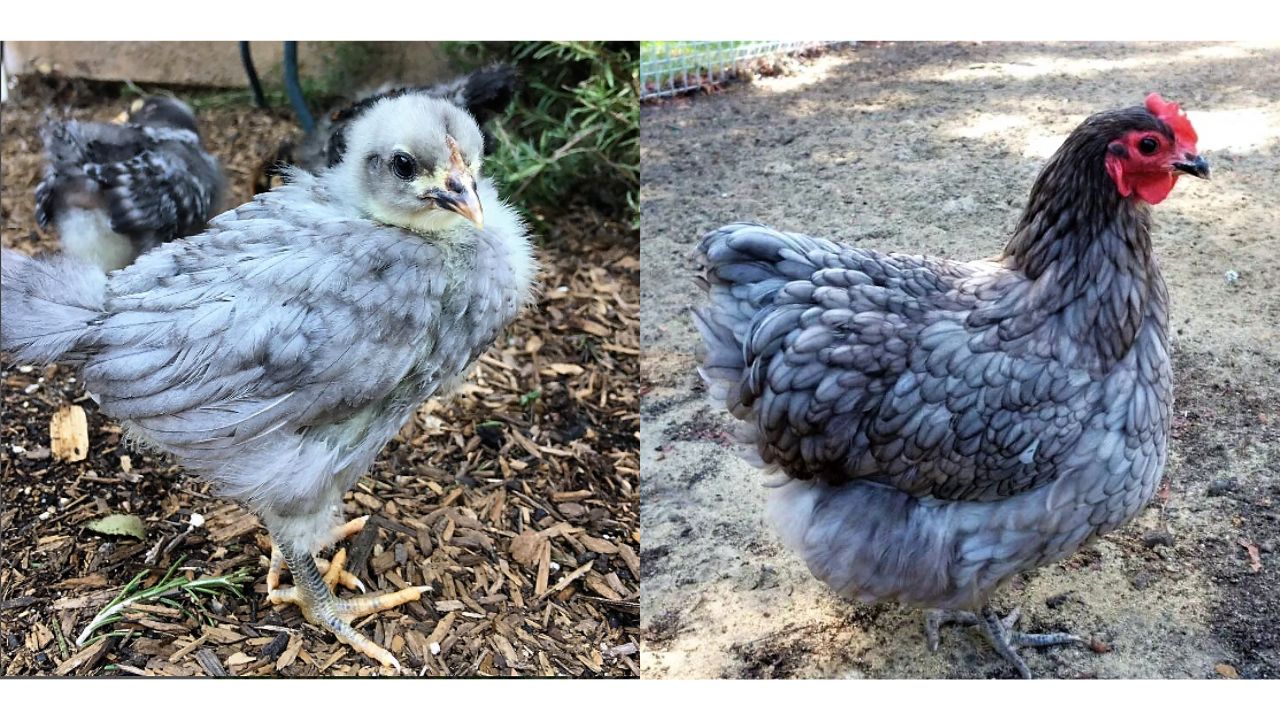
{"x": 932, "y": 148}
{"x": 516, "y": 500}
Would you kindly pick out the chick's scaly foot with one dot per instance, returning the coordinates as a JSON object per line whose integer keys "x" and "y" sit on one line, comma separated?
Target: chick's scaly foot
{"x": 314, "y": 596}
{"x": 998, "y": 631}
{"x": 345, "y": 579}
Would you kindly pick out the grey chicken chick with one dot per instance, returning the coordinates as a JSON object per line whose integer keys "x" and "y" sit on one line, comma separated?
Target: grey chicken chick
{"x": 278, "y": 351}
{"x": 483, "y": 93}
{"x": 115, "y": 190}
{"x": 946, "y": 425}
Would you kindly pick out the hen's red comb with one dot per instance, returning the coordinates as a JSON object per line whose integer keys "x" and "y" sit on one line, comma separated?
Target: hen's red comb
{"x": 1172, "y": 116}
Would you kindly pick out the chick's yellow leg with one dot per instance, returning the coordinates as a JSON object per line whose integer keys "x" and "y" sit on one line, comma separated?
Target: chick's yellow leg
{"x": 313, "y": 593}
{"x": 345, "y": 579}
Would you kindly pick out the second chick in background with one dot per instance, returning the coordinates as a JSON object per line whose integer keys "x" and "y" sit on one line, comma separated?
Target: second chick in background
{"x": 113, "y": 191}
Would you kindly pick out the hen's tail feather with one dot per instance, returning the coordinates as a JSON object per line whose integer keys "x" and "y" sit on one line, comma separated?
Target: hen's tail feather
{"x": 48, "y": 306}
{"x": 746, "y": 267}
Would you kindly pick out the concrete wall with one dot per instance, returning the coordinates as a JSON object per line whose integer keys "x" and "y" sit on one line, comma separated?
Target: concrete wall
{"x": 341, "y": 66}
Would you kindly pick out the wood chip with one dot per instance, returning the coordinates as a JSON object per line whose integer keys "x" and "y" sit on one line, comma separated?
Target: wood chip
{"x": 527, "y": 548}
{"x": 563, "y": 582}
{"x": 562, "y": 369}
{"x": 598, "y": 545}
{"x": 80, "y": 658}
{"x": 210, "y": 663}
{"x": 1255, "y": 558}
{"x": 69, "y": 434}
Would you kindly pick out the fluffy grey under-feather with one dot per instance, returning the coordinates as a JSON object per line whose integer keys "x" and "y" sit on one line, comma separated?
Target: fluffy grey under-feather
{"x": 115, "y": 191}
{"x": 278, "y": 351}
{"x": 946, "y": 425}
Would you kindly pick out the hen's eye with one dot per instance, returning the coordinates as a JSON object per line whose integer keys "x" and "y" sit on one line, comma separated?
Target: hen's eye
{"x": 404, "y": 166}
{"x": 1148, "y": 145}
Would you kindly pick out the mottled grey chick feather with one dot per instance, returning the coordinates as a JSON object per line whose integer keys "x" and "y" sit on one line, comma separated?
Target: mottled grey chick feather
{"x": 115, "y": 191}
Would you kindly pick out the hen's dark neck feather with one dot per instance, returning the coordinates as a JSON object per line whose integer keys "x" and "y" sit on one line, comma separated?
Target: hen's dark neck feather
{"x": 1086, "y": 249}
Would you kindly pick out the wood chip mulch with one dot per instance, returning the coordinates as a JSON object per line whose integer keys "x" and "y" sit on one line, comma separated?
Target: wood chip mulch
{"x": 516, "y": 500}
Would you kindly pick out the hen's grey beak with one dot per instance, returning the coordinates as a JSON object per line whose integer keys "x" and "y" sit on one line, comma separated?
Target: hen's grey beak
{"x": 459, "y": 193}
{"x": 1196, "y": 167}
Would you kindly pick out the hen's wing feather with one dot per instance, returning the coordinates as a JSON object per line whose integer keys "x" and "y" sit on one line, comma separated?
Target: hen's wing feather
{"x": 855, "y": 364}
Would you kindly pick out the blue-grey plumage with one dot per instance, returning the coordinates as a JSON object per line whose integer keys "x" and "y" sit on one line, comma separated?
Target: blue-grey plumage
{"x": 278, "y": 351}
{"x": 945, "y": 425}
{"x": 114, "y": 191}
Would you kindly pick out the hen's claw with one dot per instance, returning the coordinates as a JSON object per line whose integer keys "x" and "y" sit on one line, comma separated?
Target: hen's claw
{"x": 998, "y": 631}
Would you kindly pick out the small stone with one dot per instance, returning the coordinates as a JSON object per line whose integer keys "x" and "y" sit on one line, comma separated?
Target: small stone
{"x": 1221, "y": 486}
{"x": 960, "y": 206}
{"x": 1141, "y": 581}
{"x": 1057, "y": 601}
{"x": 1157, "y": 538}
{"x": 1231, "y": 276}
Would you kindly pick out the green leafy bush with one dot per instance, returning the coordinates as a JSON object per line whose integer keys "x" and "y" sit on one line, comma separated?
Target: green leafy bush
{"x": 572, "y": 134}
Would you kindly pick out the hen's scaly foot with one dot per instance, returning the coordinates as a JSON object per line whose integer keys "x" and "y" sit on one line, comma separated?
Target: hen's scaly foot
{"x": 313, "y": 594}
{"x": 998, "y": 631}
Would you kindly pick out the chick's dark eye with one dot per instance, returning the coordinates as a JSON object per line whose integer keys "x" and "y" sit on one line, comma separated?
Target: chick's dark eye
{"x": 404, "y": 166}
{"x": 1148, "y": 145}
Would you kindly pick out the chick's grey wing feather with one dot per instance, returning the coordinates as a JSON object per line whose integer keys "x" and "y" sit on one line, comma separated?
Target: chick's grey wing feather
{"x": 72, "y": 149}
{"x": 153, "y": 182}
{"x": 854, "y": 364}
{"x": 263, "y": 324}
{"x": 169, "y": 189}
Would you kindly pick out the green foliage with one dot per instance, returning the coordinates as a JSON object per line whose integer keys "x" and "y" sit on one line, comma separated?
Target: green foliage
{"x": 572, "y": 135}
{"x": 167, "y": 591}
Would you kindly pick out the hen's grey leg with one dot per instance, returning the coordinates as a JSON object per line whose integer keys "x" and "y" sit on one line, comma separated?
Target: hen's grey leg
{"x": 313, "y": 594}
{"x": 998, "y": 631}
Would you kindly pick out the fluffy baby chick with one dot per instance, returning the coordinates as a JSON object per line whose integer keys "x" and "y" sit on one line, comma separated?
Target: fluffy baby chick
{"x": 277, "y": 352}
{"x": 484, "y": 94}
{"x": 115, "y": 190}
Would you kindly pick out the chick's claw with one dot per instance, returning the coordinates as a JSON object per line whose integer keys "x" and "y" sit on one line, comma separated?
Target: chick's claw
{"x": 320, "y": 606}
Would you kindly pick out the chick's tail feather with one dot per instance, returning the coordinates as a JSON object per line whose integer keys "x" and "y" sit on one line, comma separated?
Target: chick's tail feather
{"x": 48, "y": 306}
